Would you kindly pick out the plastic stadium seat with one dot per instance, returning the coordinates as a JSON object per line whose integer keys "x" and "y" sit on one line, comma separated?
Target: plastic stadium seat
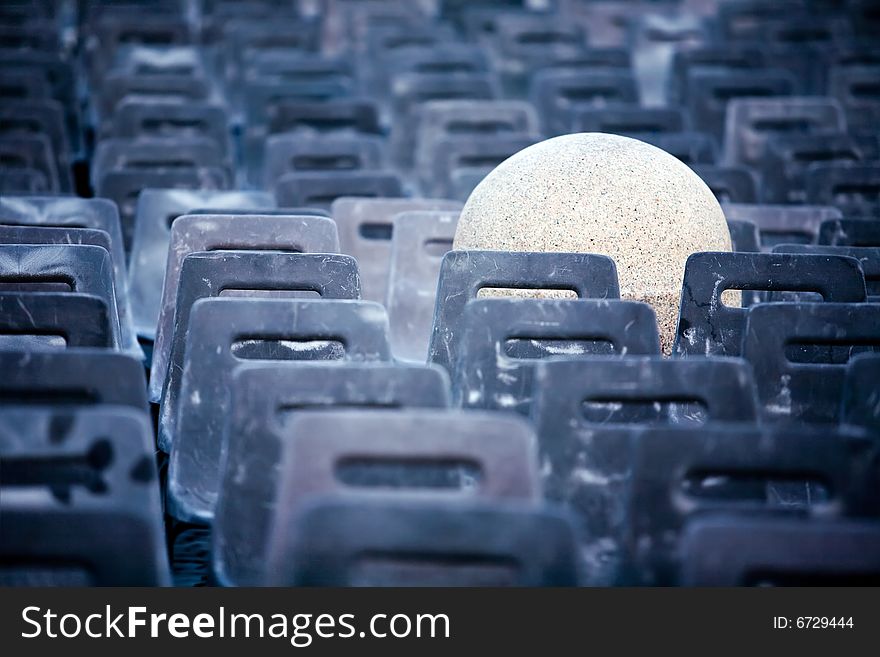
{"x": 464, "y": 273}
{"x": 248, "y": 488}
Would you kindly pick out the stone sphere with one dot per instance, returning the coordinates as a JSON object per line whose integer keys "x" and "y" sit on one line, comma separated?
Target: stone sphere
{"x": 607, "y": 194}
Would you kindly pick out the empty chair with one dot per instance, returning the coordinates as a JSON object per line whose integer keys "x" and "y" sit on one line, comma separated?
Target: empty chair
{"x": 463, "y": 274}
{"x": 709, "y": 93}
{"x": 640, "y": 390}
{"x": 727, "y": 57}
{"x": 752, "y": 121}
{"x": 72, "y": 377}
{"x": 443, "y": 118}
{"x": 522, "y": 35}
{"x": 118, "y": 85}
{"x": 366, "y": 231}
{"x": 56, "y": 73}
{"x": 387, "y": 25}
{"x": 525, "y": 42}
{"x": 23, "y": 153}
{"x": 454, "y": 156}
{"x": 849, "y": 232}
{"x": 588, "y": 414}
{"x": 414, "y": 455}
{"x": 91, "y": 469}
{"x": 440, "y": 58}
{"x": 263, "y": 97}
{"x": 19, "y": 84}
{"x": 692, "y": 148}
{"x": 855, "y": 88}
{"x": 679, "y": 474}
{"x": 243, "y": 273}
{"x": 451, "y": 544}
{"x": 321, "y": 189}
{"x": 446, "y": 452}
{"x": 501, "y": 341}
{"x": 248, "y": 36}
{"x": 199, "y": 233}
{"x": 411, "y": 91}
{"x": 419, "y": 241}
{"x": 72, "y": 213}
{"x": 45, "y": 117}
{"x": 868, "y": 257}
{"x": 67, "y": 212}
{"x": 800, "y": 30}
{"x": 655, "y": 39}
{"x": 157, "y": 210}
{"x": 307, "y": 117}
{"x": 460, "y": 122}
{"x": 112, "y": 30}
{"x": 289, "y": 64}
{"x": 287, "y": 153}
{"x": 162, "y": 118}
{"x": 853, "y": 188}
{"x": 781, "y": 224}
{"x": 124, "y": 186}
{"x": 735, "y": 551}
{"x": 79, "y": 269}
{"x": 52, "y": 320}
{"x": 558, "y": 94}
{"x": 799, "y": 351}
{"x": 808, "y": 62}
{"x": 34, "y": 36}
{"x": 709, "y": 326}
{"x": 394, "y": 38}
{"x": 354, "y": 115}
{"x": 156, "y": 154}
{"x": 60, "y": 235}
{"x": 222, "y": 333}
{"x": 787, "y": 158}
{"x": 266, "y": 400}
{"x": 156, "y": 59}
{"x": 64, "y": 235}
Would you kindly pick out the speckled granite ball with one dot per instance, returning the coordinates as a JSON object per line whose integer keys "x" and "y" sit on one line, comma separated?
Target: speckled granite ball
{"x": 600, "y": 193}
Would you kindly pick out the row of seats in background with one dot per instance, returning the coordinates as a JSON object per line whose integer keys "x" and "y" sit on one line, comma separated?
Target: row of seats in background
{"x": 546, "y": 441}
{"x": 773, "y": 102}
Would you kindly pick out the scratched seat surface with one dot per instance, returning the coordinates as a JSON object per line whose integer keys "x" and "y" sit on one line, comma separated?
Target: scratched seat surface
{"x": 79, "y": 269}
{"x": 502, "y": 340}
{"x": 157, "y": 212}
{"x": 709, "y": 326}
{"x": 246, "y": 234}
{"x": 72, "y": 214}
{"x": 588, "y": 414}
{"x": 464, "y": 273}
{"x": 250, "y": 472}
{"x": 206, "y": 274}
{"x": 224, "y": 332}
{"x": 798, "y": 472}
